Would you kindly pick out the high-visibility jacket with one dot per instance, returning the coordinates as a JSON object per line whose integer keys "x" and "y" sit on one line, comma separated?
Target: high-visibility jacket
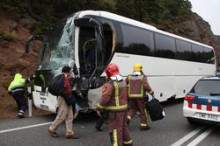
{"x": 137, "y": 86}
{"x": 17, "y": 84}
{"x": 114, "y": 96}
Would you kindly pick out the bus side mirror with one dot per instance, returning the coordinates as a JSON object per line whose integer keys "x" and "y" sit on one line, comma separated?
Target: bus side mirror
{"x": 32, "y": 38}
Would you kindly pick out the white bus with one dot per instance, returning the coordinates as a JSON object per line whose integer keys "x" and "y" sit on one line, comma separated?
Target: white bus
{"x": 88, "y": 41}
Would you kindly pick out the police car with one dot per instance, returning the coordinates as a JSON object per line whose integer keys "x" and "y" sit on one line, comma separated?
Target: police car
{"x": 202, "y": 103}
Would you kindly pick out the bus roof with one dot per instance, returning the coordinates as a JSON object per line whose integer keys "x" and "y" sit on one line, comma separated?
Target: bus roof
{"x": 136, "y": 23}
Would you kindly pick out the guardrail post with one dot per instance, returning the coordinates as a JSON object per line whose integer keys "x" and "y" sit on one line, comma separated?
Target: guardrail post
{"x": 29, "y": 102}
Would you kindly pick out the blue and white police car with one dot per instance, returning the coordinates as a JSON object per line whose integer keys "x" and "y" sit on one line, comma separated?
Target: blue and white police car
{"x": 202, "y": 103}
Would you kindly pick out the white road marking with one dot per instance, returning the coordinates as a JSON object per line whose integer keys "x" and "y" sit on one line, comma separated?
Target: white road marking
{"x": 201, "y": 137}
{"x": 25, "y": 127}
{"x": 187, "y": 137}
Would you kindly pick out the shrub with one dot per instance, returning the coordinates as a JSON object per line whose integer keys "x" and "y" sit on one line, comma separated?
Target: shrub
{"x": 6, "y": 37}
{"x": 37, "y": 31}
{"x": 5, "y": 84}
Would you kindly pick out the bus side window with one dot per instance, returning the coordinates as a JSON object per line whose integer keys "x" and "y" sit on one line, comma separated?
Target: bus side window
{"x": 183, "y": 50}
{"x": 197, "y": 53}
{"x": 136, "y": 41}
{"x": 209, "y": 56}
{"x": 109, "y": 42}
{"x": 165, "y": 46}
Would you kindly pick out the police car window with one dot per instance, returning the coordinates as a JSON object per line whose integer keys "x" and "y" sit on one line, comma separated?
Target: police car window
{"x": 207, "y": 87}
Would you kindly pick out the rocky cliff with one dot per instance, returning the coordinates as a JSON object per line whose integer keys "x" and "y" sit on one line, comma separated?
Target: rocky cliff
{"x": 204, "y": 34}
{"x": 218, "y": 39}
{"x": 14, "y": 31}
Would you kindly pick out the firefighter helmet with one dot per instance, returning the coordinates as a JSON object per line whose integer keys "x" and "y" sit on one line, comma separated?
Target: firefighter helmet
{"x": 111, "y": 70}
{"x": 137, "y": 67}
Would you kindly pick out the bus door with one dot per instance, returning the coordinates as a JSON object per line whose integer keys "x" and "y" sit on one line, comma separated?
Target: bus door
{"x": 95, "y": 49}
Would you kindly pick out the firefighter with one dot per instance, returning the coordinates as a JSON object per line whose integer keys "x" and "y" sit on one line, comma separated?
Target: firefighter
{"x": 114, "y": 100}
{"x": 16, "y": 90}
{"x": 137, "y": 87}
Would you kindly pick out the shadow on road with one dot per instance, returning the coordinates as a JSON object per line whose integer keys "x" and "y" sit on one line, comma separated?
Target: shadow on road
{"x": 172, "y": 102}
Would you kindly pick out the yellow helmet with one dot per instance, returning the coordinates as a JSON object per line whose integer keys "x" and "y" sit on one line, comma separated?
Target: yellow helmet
{"x": 137, "y": 67}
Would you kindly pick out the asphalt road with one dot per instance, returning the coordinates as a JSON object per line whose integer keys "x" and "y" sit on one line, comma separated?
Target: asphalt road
{"x": 173, "y": 130}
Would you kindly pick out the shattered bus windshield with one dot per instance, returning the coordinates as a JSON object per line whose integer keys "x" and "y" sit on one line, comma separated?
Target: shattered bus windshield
{"x": 60, "y": 45}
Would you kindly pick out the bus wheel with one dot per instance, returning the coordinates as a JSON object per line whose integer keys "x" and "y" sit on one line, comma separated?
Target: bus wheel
{"x": 172, "y": 98}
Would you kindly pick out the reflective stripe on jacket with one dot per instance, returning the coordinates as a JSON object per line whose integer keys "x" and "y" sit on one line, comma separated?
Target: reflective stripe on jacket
{"x": 17, "y": 84}
{"x": 137, "y": 86}
{"x": 114, "y": 96}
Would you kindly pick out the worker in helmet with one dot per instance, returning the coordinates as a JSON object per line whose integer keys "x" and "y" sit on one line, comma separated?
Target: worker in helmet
{"x": 114, "y": 100}
{"x": 16, "y": 90}
{"x": 137, "y": 88}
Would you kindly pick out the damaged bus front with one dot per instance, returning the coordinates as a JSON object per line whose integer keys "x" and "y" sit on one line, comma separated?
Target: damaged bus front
{"x": 77, "y": 42}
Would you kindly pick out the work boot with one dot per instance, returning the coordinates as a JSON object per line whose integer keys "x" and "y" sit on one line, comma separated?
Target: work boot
{"x": 72, "y": 136}
{"x": 20, "y": 114}
{"x": 145, "y": 128}
{"x": 128, "y": 144}
{"x": 53, "y": 134}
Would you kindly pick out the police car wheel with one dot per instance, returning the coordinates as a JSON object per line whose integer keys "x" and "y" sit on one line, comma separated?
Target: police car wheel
{"x": 191, "y": 121}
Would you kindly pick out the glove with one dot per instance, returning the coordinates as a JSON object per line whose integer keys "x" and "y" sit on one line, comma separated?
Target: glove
{"x": 98, "y": 113}
{"x": 146, "y": 98}
{"x": 32, "y": 77}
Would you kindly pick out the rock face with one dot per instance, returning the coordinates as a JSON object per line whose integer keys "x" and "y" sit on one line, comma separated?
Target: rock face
{"x": 12, "y": 55}
{"x": 205, "y": 35}
{"x": 218, "y": 39}
{"x": 14, "y": 59}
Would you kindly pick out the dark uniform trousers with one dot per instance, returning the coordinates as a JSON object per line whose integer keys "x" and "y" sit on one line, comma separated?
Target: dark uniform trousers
{"x": 118, "y": 129}
{"x": 101, "y": 120}
{"x": 20, "y": 100}
{"x": 138, "y": 105}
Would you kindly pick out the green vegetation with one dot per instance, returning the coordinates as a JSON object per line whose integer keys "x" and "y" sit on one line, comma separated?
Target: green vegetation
{"x": 47, "y": 12}
{"x": 6, "y": 37}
